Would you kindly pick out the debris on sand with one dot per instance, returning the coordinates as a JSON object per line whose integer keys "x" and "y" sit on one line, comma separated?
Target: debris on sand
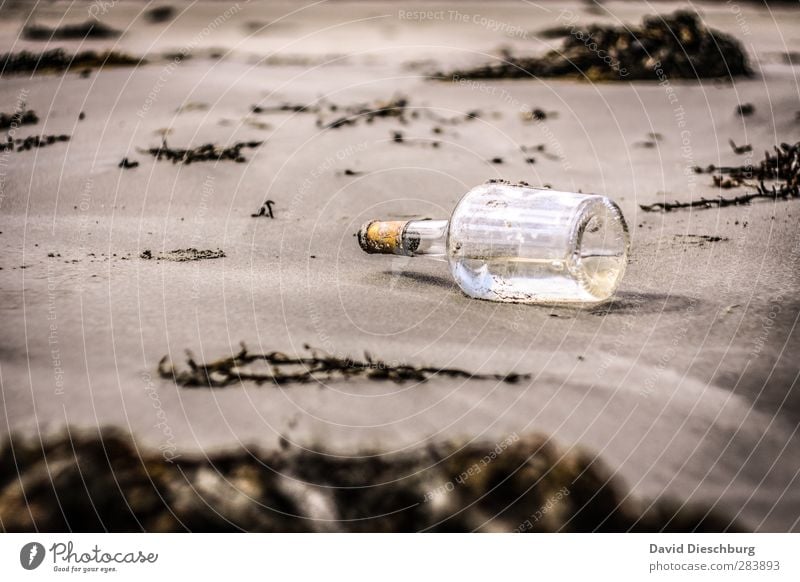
{"x": 105, "y": 481}
{"x": 393, "y": 108}
{"x": 286, "y": 108}
{"x": 56, "y": 60}
{"x": 31, "y": 142}
{"x": 160, "y": 14}
{"x": 204, "y": 153}
{"x": 278, "y": 368}
{"x": 699, "y": 240}
{"x": 127, "y": 164}
{"x": 676, "y": 46}
{"x": 182, "y": 255}
{"x": 264, "y": 210}
{"x": 20, "y": 117}
{"x": 781, "y": 170}
{"x": 745, "y": 110}
{"x": 739, "y": 150}
{"x": 88, "y": 29}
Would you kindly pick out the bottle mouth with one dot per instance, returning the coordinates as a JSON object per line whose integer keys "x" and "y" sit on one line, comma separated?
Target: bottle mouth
{"x": 382, "y": 237}
{"x": 601, "y": 248}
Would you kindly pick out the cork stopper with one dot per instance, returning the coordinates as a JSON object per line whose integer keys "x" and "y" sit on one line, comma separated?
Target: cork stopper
{"x": 382, "y": 237}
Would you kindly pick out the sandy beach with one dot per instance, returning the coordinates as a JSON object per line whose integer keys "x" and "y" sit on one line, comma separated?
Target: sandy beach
{"x": 685, "y": 385}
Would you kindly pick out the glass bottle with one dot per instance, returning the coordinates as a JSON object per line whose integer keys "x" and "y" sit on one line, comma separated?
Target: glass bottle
{"x": 515, "y": 243}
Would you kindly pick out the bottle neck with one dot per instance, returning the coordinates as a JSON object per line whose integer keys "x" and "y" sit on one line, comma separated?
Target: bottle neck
{"x": 411, "y": 238}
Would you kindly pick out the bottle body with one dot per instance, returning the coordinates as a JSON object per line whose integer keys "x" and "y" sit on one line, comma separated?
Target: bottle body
{"x": 529, "y": 245}
{"x": 515, "y": 243}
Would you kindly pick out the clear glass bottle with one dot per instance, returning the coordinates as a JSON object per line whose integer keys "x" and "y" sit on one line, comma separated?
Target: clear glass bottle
{"x": 515, "y": 243}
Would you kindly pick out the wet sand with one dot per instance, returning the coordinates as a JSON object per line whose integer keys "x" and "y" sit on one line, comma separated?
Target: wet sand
{"x": 685, "y": 385}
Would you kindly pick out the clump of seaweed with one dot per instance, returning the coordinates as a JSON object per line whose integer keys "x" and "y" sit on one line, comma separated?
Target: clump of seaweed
{"x": 127, "y": 164}
{"x": 287, "y": 108}
{"x": 396, "y": 108}
{"x": 56, "y": 60}
{"x": 279, "y": 368}
{"x": 20, "y": 117}
{"x": 782, "y": 170}
{"x": 88, "y": 29}
{"x": 264, "y": 210}
{"x": 104, "y": 481}
{"x": 676, "y": 46}
{"x": 160, "y": 14}
{"x": 183, "y": 255}
{"x": 204, "y": 153}
{"x": 31, "y": 142}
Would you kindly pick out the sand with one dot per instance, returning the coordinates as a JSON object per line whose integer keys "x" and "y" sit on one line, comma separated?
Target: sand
{"x": 686, "y": 385}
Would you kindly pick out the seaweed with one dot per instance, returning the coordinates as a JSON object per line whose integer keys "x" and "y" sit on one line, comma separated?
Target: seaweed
{"x": 264, "y": 210}
{"x": 204, "y": 153}
{"x": 88, "y": 29}
{"x": 127, "y": 164}
{"x": 676, "y": 46}
{"x": 57, "y": 60}
{"x": 395, "y": 107}
{"x": 781, "y": 169}
{"x": 183, "y": 255}
{"x": 102, "y": 480}
{"x": 31, "y": 142}
{"x": 20, "y": 117}
{"x": 279, "y": 369}
{"x": 160, "y": 14}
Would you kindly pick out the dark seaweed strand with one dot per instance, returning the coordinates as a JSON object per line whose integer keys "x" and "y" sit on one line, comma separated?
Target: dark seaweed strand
{"x": 783, "y": 168}
{"x": 395, "y": 107}
{"x": 317, "y": 366}
{"x": 204, "y": 153}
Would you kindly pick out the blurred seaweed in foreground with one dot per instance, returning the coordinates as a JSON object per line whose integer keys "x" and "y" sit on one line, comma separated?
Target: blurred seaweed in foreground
{"x": 675, "y": 46}
{"x": 103, "y": 481}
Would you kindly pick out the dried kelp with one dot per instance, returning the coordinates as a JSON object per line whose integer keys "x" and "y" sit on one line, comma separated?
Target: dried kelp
{"x": 782, "y": 170}
{"x": 160, "y": 14}
{"x": 676, "y": 46}
{"x": 394, "y": 108}
{"x": 279, "y": 368}
{"x": 183, "y": 255}
{"x": 287, "y": 108}
{"x": 104, "y": 481}
{"x": 204, "y": 153}
{"x": 127, "y": 164}
{"x": 56, "y": 60}
{"x": 20, "y": 117}
{"x": 88, "y": 29}
{"x": 264, "y": 210}
{"x": 31, "y": 142}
